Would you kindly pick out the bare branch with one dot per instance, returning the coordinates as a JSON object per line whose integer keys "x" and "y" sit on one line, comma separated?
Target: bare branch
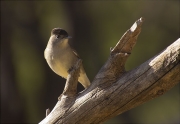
{"x": 128, "y": 40}
{"x": 115, "y": 65}
{"x": 115, "y": 91}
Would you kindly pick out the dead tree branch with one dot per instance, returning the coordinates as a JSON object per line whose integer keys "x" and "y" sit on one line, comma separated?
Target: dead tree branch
{"x": 113, "y": 90}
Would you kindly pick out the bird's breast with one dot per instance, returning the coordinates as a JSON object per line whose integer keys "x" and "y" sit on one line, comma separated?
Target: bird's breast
{"x": 60, "y": 60}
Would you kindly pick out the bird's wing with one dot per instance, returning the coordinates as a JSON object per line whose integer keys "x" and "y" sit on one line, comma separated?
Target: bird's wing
{"x": 74, "y": 51}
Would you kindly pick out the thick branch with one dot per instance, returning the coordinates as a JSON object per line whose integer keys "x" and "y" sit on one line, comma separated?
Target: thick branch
{"x": 116, "y": 91}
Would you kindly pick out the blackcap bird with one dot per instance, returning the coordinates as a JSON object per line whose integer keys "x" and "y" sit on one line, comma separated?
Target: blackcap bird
{"x": 61, "y": 57}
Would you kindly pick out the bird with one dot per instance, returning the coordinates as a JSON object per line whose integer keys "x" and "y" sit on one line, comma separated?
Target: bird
{"x": 61, "y": 57}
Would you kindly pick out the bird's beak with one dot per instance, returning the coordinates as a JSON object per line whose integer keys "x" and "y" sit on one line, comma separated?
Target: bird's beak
{"x": 69, "y": 37}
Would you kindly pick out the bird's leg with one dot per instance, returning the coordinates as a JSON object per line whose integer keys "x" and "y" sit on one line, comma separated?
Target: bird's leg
{"x": 70, "y": 69}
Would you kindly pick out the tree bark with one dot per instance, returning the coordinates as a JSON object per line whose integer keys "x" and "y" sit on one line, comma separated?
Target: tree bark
{"x": 113, "y": 90}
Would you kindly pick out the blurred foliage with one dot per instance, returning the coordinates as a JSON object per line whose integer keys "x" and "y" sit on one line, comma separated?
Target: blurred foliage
{"x": 29, "y": 87}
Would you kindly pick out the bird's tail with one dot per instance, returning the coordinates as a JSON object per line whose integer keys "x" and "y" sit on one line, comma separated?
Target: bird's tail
{"x": 83, "y": 79}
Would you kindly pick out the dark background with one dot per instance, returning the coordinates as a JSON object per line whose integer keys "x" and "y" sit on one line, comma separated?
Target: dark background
{"x": 29, "y": 86}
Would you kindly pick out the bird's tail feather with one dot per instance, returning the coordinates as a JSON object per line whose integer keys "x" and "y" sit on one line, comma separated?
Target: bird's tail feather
{"x": 83, "y": 79}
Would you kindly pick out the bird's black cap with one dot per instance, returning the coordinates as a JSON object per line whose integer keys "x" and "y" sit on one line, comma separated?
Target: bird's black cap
{"x": 59, "y": 32}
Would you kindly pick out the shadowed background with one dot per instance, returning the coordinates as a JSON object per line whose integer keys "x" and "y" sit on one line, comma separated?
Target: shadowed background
{"x": 29, "y": 86}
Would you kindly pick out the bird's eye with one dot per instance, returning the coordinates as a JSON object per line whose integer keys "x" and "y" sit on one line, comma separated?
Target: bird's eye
{"x": 57, "y": 36}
